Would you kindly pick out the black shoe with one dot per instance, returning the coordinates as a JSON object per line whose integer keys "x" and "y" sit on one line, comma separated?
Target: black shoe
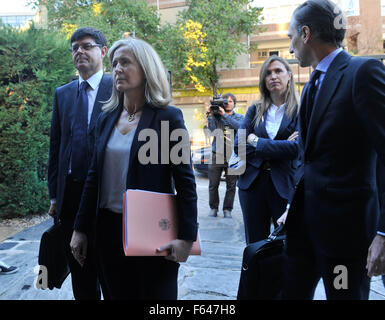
{"x": 227, "y": 213}
{"x": 213, "y": 213}
{"x": 8, "y": 270}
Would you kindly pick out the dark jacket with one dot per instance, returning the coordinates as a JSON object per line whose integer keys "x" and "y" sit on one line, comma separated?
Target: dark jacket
{"x": 232, "y": 121}
{"x": 280, "y": 153}
{"x": 335, "y": 196}
{"x": 64, "y": 107}
{"x": 380, "y": 177}
{"x": 156, "y": 177}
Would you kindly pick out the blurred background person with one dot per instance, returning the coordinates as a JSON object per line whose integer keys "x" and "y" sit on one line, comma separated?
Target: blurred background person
{"x": 207, "y": 133}
{"x": 227, "y": 121}
{"x": 140, "y": 100}
{"x": 271, "y": 150}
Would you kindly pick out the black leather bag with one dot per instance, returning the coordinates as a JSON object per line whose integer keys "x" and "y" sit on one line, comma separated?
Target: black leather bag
{"x": 52, "y": 257}
{"x": 262, "y": 268}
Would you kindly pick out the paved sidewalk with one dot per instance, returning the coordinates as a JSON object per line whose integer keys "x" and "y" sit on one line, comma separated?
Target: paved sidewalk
{"x": 212, "y": 276}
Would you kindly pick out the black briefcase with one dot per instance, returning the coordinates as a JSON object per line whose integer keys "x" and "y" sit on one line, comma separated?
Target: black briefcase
{"x": 262, "y": 268}
{"x": 53, "y": 262}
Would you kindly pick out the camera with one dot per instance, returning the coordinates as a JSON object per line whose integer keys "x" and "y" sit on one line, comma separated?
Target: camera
{"x": 217, "y": 102}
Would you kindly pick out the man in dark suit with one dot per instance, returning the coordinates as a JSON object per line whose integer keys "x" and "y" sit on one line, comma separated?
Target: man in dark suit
{"x": 334, "y": 209}
{"x": 75, "y": 110}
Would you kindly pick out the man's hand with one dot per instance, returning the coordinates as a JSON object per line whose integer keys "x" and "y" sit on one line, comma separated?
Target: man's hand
{"x": 293, "y": 136}
{"x": 178, "y": 250}
{"x": 282, "y": 219}
{"x": 208, "y": 111}
{"x": 78, "y": 246}
{"x": 376, "y": 257}
{"x": 250, "y": 138}
{"x": 52, "y": 209}
{"x": 221, "y": 111}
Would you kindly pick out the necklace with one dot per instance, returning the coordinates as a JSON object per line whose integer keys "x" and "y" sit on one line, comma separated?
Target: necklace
{"x": 131, "y": 116}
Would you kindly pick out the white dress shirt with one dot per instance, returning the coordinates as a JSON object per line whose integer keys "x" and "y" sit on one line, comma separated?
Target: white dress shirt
{"x": 324, "y": 65}
{"x": 273, "y": 121}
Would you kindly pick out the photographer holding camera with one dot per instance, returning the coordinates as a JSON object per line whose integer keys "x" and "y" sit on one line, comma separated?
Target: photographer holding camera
{"x": 221, "y": 116}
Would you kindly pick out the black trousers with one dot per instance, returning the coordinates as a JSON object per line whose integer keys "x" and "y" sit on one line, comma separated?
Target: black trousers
{"x": 215, "y": 173}
{"x": 85, "y": 284}
{"x": 305, "y": 264}
{"x": 130, "y": 278}
{"x": 304, "y": 269}
{"x": 260, "y": 204}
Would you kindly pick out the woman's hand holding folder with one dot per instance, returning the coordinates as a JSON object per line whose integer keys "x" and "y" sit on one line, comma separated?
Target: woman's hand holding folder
{"x": 178, "y": 250}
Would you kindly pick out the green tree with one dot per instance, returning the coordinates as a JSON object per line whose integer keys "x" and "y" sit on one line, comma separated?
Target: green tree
{"x": 223, "y": 23}
{"x": 33, "y": 65}
{"x": 113, "y": 17}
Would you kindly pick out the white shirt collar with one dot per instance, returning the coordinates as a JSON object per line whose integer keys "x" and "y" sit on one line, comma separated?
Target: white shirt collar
{"x": 274, "y": 118}
{"x": 94, "y": 80}
{"x": 327, "y": 61}
{"x": 281, "y": 107}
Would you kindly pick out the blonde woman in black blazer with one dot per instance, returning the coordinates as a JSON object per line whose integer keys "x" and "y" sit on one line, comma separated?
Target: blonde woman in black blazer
{"x": 271, "y": 149}
{"x": 139, "y": 102}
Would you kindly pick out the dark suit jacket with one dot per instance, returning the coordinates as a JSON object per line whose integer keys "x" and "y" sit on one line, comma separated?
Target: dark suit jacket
{"x": 280, "y": 153}
{"x": 64, "y": 106}
{"x": 380, "y": 176}
{"x": 152, "y": 177}
{"x": 335, "y": 201}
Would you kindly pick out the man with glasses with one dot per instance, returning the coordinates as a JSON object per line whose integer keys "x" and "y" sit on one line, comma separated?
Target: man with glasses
{"x": 75, "y": 110}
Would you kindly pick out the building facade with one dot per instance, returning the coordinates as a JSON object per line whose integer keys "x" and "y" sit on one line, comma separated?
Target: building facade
{"x": 365, "y": 35}
{"x": 18, "y": 14}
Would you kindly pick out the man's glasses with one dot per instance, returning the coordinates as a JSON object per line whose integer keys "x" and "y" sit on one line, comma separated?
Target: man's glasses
{"x": 85, "y": 47}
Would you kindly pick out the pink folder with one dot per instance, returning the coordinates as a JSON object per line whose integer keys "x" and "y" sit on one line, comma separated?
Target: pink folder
{"x": 150, "y": 221}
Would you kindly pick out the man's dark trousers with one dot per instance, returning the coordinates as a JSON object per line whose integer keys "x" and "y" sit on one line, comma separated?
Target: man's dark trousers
{"x": 306, "y": 270}
{"x": 85, "y": 282}
{"x": 305, "y": 263}
{"x": 215, "y": 173}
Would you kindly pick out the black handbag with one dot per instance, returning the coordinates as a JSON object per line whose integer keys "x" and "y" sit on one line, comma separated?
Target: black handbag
{"x": 262, "y": 268}
{"x": 53, "y": 262}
